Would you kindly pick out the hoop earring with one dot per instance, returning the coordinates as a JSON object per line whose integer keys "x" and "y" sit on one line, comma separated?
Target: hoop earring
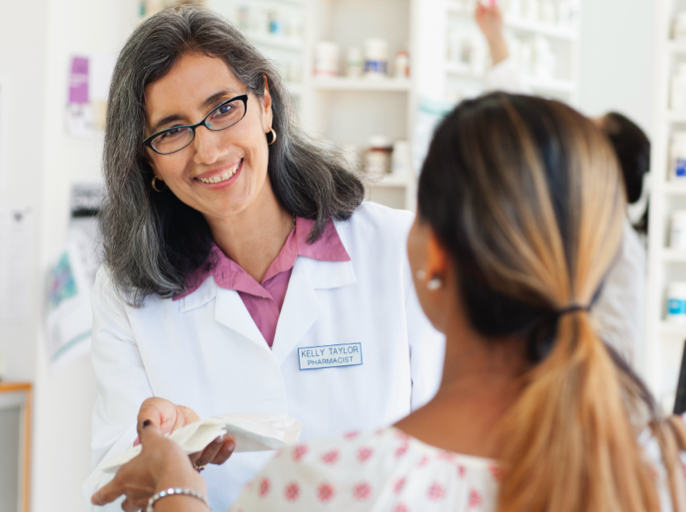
{"x": 273, "y": 137}
{"x": 153, "y": 185}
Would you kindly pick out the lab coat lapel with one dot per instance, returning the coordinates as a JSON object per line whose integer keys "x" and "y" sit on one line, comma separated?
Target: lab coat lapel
{"x": 302, "y": 307}
{"x": 231, "y": 312}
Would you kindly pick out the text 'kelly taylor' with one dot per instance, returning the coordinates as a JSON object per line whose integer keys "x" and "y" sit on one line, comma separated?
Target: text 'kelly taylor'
{"x": 330, "y": 356}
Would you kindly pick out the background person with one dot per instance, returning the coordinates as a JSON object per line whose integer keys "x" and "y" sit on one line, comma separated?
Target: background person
{"x": 520, "y": 217}
{"x": 231, "y": 242}
{"x": 621, "y": 305}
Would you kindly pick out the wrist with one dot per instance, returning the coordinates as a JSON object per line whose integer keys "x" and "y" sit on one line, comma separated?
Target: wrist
{"x": 498, "y": 49}
{"x": 181, "y": 476}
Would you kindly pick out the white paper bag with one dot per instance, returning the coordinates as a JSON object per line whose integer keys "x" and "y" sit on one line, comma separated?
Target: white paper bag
{"x": 251, "y": 432}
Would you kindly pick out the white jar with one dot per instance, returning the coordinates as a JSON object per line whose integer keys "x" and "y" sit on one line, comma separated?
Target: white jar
{"x": 677, "y": 169}
{"x": 355, "y": 62}
{"x": 676, "y": 302}
{"x": 680, "y": 26}
{"x": 326, "y": 59}
{"x": 677, "y": 232}
{"x": 377, "y": 159}
{"x": 375, "y": 58}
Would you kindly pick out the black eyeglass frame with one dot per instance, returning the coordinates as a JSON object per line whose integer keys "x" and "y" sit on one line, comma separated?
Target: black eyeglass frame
{"x": 241, "y": 97}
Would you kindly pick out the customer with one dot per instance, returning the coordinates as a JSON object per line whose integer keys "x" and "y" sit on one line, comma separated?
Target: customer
{"x": 232, "y": 241}
{"x": 621, "y": 306}
{"x": 520, "y": 218}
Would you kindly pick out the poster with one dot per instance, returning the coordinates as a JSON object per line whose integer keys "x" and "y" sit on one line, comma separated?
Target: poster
{"x": 88, "y": 88}
{"x": 69, "y": 318}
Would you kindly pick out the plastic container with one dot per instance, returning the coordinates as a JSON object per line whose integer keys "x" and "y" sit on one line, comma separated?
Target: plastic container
{"x": 355, "y": 62}
{"x": 677, "y": 232}
{"x": 680, "y": 26}
{"x": 678, "y": 161}
{"x": 402, "y": 65}
{"x": 375, "y": 58}
{"x": 377, "y": 159}
{"x": 676, "y": 302}
{"x": 326, "y": 59}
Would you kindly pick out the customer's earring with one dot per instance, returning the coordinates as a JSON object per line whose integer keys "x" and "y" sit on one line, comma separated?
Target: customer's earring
{"x": 153, "y": 185}
{"x": 271, "y": 140}
{"x": 434, "y": 284}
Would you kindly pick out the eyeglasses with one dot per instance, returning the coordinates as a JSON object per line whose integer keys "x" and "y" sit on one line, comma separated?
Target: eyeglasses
{"x": 221, "y": 117}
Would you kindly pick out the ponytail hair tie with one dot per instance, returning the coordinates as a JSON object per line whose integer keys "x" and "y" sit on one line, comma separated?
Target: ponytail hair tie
{"x": 572, "y": 309}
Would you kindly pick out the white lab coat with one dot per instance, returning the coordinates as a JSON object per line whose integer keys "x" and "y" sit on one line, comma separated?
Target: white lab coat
{"x": 205, "y": 351}
{"x": 620, "y": 309}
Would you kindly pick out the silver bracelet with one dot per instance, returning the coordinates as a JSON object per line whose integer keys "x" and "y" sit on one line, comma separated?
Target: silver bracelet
{"x": 173, "y": 491}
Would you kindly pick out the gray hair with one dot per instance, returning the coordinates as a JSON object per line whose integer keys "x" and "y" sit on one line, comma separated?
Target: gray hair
{"x": 153, "y": 241}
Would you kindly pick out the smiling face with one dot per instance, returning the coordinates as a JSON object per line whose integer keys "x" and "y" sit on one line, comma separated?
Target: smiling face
{"x": 221, "y": 173}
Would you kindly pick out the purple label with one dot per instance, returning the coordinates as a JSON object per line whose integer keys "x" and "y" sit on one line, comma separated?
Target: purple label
{"x": 78, "y": 81}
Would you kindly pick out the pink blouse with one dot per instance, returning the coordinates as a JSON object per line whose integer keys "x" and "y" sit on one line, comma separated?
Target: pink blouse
{"x": 265, "y": 300}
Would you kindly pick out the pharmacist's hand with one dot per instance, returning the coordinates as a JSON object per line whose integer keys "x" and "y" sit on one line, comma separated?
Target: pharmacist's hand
{"x": 490, "y": 20}
{"x": 160, "y": 465}
{"x": 169, "y": 417}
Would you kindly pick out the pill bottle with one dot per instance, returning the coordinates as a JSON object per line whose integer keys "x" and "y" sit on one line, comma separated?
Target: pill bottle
{"x": 355, "y": 62}
{"x": 375, "y": 58}
{"x": 677, "y": 231}
{"x": 326, "y": 59}
{"x": 402, "y": 65}
{"x": 678, "y": 158}
{"x": 377, "y": 159}
{"x": 678, "y": 96}
{"x": 676, "y": 302}
{"x": 680, "y": 26}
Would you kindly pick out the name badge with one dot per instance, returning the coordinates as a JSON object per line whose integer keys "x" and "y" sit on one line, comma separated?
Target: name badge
{"x": 330, "y": 356}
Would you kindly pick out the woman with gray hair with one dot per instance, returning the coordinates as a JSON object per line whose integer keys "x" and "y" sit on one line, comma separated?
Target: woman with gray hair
{"x": 238, "y": 255}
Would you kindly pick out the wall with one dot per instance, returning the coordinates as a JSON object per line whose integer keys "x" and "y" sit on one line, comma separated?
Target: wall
{"x": 65, "y": 396}
{"x": 617, "y": 59}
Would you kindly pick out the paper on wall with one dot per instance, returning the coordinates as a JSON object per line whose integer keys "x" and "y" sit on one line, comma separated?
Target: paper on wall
{"x": 251, "y": 432}
{"x": 16, "y": 260}
{"x": 89, "y": 82}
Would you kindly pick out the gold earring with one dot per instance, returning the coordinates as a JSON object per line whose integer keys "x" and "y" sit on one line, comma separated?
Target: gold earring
{"x": 153, "y": 185}
{"x": 273, "y": 133}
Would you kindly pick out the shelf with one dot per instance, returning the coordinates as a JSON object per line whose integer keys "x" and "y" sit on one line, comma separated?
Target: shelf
{"x": 277, "y": 42}
{"x": 393, "y": 181}
{"x": 676, "y": 46}
{"x": 673, "y": 255}
{"x": 674, "y": 188}
{"x": 361, "y": 84}
{"x": 533, "y": 27}
{"x": 674, "y": 116}
{"x": 671, "y": 329}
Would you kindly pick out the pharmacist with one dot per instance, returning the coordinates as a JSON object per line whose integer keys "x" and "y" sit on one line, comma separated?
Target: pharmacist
{"x": 621, "y": 304}
{"x": 243, "y": 272}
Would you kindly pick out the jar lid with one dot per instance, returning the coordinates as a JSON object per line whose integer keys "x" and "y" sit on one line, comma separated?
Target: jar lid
{"x": 379, "y": 141}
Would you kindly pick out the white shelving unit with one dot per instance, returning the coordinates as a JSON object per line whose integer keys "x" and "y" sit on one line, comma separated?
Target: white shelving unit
{"x": 665, "y": 341}
{"x": 465, "y": 79}
{"x": 341, "y": 110}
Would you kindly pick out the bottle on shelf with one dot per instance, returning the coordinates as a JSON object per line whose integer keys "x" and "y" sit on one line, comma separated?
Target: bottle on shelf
{"x": 676, "y": 302}
{"x": 375, "y": 58}
{"x": 377, "y": 159}
{"x": 355, "y": 62}
{"x": 677, "y": 231}
{"x": 677, "y": 170}
{"x": 326, "y": 59}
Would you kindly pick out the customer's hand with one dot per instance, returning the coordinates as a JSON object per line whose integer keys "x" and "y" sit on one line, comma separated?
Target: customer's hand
{"x": 169, "y": 417}
{"x": 160, "y": 465}
{"x": 490, "y": 21}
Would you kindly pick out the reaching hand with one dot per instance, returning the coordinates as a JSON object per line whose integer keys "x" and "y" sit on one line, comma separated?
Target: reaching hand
{"x": 490, "y": 21}
{"x": 169, "y": 417}
{"x": 161, "y": 464}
